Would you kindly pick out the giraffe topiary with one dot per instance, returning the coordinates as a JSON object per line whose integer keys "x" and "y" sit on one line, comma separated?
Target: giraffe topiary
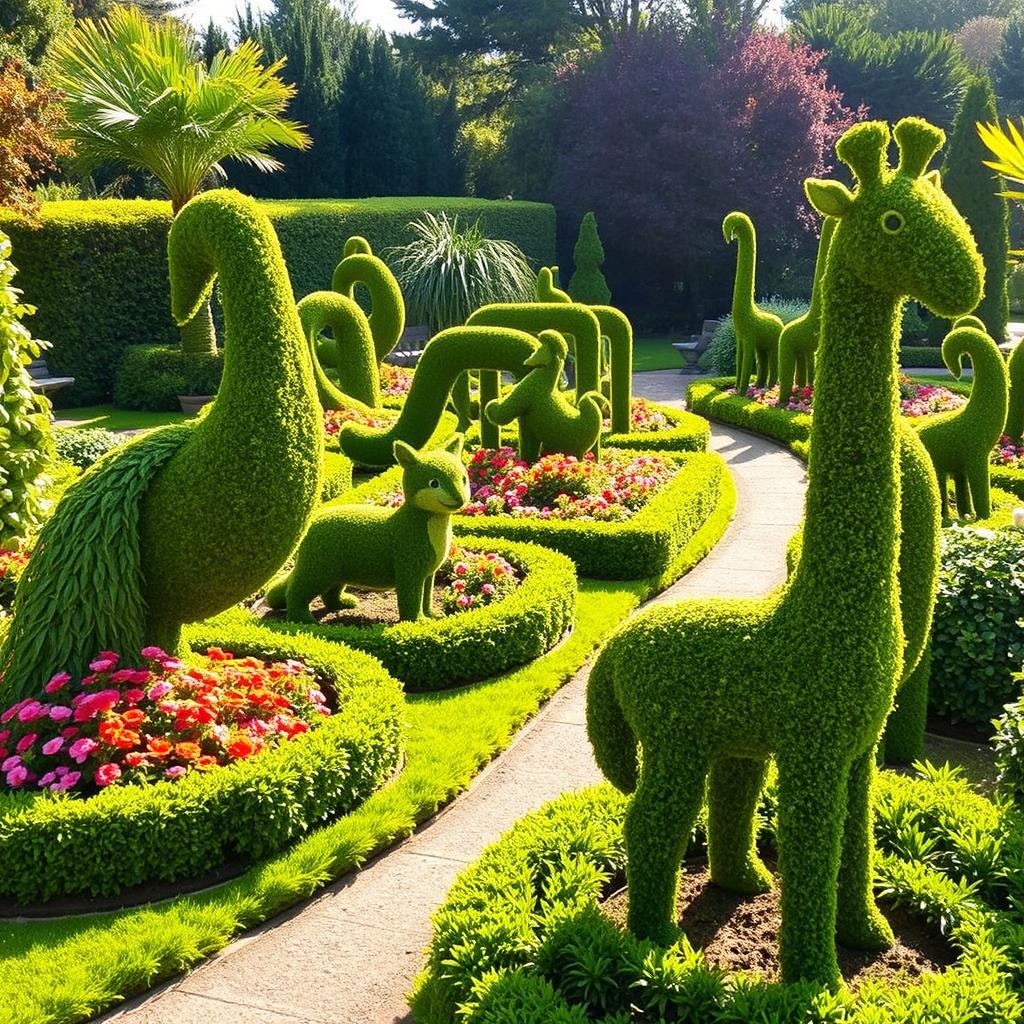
{"x": 720, "y": 685}
{"x": 757, "y": 332}
{"x": 960, "y": 442}
{"x": 799, "y": 338}
{"x": 190, "y": 519}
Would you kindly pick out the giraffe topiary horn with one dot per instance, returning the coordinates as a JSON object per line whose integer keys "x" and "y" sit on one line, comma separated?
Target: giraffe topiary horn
{"x": 918, "y": 142}
{"x": 863, "y": 149}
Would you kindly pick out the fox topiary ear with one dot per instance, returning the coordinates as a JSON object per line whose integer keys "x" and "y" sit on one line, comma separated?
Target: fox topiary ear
{"x": 405, "y": 455}
{"x": 933, "y": 178}
{"x": 454, "y": 445}
{"x": 829, "y": 198}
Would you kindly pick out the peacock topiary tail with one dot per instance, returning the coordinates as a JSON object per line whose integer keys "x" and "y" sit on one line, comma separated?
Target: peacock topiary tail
{"x": 82, "y": 589}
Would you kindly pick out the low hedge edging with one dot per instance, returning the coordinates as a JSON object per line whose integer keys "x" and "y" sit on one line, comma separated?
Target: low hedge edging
{"x": 520, "y": 935}
{"x": 475, "y": 644}
{"x": 643, "y": 546}
{"x": 686, "y": 433}
{"x": 56, "y": 845}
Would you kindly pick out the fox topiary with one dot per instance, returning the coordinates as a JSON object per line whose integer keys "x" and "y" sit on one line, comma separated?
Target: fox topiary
{"x": 380, "y": 548}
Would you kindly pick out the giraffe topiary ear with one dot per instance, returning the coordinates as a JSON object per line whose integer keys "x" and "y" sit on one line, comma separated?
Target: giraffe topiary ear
{"x": 829, "y": 198}
{"x": 405, "y": 455}
{"x": 933, "y": 178}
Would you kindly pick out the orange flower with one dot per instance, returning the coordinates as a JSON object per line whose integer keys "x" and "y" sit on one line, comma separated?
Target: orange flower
{"x": 134, "y": 716}
{"x": 206, "y": 761}
{"x": 159, "y": 746}
{"x": 188, "y": 751}
{"x": 241, "y": 746}
{"x": 216, "y": 654}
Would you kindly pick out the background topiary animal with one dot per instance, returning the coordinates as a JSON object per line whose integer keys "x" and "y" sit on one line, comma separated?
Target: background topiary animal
{"x": 555, "y": 425}
{"x": 798, "y": 340}
{"x": 717, "y": 686}
{"x": 757, "y": 332}
{"x": 377, "y": 547}
{"x": 1015, "y": 406}
{"x": 188, "y": 520}
{"x": 960, "y": 442}
{"x": 25, "y": 445}
{"x": 360, "y": 267}
{"x": 587, "y": 283}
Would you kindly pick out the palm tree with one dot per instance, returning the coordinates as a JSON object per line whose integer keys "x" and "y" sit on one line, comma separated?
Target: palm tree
{"x": 136, "y": 95}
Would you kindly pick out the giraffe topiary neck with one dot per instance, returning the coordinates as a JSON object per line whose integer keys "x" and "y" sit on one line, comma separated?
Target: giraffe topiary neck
{"x": 746, "y": 261}
{"x": 827, "y": 231}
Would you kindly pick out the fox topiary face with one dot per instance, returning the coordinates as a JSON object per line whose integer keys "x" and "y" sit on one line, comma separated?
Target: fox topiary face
{"x": 434, "y": 481}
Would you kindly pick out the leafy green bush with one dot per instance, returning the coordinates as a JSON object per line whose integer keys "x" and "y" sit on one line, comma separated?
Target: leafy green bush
{"x": 978, "y": 642}
{"x": 921, "y": 355}
{"x": 165, "y": 831}
{"x": 83, "y": 446}
{"x": 721, "y": 353}
{"x": 151, "y": 377}
{"x": 1009, "y": 743}
{"x": 97, "y": 269}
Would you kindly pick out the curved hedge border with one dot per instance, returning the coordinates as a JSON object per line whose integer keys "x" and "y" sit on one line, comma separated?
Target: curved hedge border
{"x": 520, "y": 937}
{"x": 52, "y": 845}
{"x": 687, "y": 433}
{"x": 649, "y": 544}
{"x": 476, "y": 644}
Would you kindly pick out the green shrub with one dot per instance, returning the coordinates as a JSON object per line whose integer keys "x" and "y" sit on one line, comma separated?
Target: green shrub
{"x": 83, "y": 446}
{"x": 921, "y": 355}
{"x": 587, "y": 284}
{"x": 1009, "y": 744}
{"x": 151, "y": 377}
{"x": 128, "y": 835}
{"x": 97, "y": 269}
{"x": 978, "y": 642}
{"x": 721, "y": 353}
{"x": 434, "y": 654}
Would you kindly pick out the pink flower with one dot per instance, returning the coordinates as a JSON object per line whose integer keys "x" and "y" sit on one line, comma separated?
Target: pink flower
{"x": 58, "y": 682}
{"x": 47, "y": 779}
{"x": 154, "y": 653}
{"x": 95, "y": 703}
{"x": 69, "y": 780}
{"x": 60, "y": 713}
{"x": 175, "y": 771}
{"x": 134, "y": 696}
{"x": 172, "y": 665}
{"x": 31, "y": 711}
{"x": 158, "y": 690}
{"x": 105, "y": 662}
{"x": 17, "y": 776}
{"x": 12, "y": 711}
{"x": 26, "y": 742}
{"x": 106, "y": 774}
{"x": 50, "y": 747}
{"x": 81, "y": 749}
{"x": 12, "y": 762}
{"x": 4, "y": 733}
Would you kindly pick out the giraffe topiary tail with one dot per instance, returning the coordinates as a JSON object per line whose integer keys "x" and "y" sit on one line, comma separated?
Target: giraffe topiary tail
{"x": 614, "y": 742}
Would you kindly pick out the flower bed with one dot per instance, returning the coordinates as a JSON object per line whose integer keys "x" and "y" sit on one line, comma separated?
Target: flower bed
{"x": 484, "y": 639}
{"x": 12, "y": 565}
{"x": 520, "y": 936}
{"x": 395, "y": 382}
{"x": 56, "y": 844}
{"x": 655, "y": 427}
{"x": 642, "y": 531}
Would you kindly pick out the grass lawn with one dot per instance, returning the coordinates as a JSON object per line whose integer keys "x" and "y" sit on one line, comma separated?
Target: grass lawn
{"x": 117, "y": 419}
{"x": 656, "y": 354}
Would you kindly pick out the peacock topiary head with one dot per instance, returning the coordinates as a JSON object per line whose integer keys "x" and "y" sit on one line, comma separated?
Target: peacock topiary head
{"x": 899, "y": 232}
{"x": 551, "y": 351}
{"x": 434, "y": 481}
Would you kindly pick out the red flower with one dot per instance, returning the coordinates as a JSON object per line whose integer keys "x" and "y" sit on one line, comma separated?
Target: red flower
{"x": 106, "y": 774}
{"x": 159, "y": 747}
{"x": 241, "y": 745}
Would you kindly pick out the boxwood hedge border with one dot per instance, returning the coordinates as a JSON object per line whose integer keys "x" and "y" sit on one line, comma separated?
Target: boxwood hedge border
{"x": 57, "y": 845}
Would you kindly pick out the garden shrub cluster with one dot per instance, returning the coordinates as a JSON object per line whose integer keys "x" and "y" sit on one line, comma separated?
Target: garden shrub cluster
{"x": 151, "y": 377}
{"x": 434, "y": 654}
{"x": 520, "y": 937}
{"x": 978, "y": 642}
{"x": 82, "y": 446}
{"x": 128, "y": 835}
{"x": 98, "y": 269}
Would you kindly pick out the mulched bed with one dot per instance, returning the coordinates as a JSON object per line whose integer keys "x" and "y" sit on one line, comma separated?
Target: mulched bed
{"x": 375, "y": 608}
{"x": 740, "y": 933}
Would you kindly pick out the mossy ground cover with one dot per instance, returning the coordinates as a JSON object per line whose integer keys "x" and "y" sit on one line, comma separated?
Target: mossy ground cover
{"x": 109, "y": 418}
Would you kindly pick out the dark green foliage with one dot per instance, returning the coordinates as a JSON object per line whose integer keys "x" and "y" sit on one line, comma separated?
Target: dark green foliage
{"x": 587, "y": 283}
{"x": 129, "y": 835}
{"x": 477, "y": 644}
{"x": 711, "y": 688}
{"x": 24, "y": 414}
{"x": 924, "y": 355}
{"x": 213, "y": 40}
{"x": 27, "y": 28}
{"x": 721, "y": 353}
{"x": 974, "y": 189}
{"x": 82, "y": 447}
{"x": 1009, "y": 744}
{"x": 519, "y": 937}
{"x": 1008, "y": 68}
{"x": 961, "y": 442}
{"x": 151, "y": 377}
{"x": 97, "y": 270}
{"x": 978, "y": 644}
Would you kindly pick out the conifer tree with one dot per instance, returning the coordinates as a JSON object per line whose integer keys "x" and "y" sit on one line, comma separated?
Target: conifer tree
{"x": 1008, "y": 69}
{"x": 974, "y": 189}
{"x": 587, "y": 283}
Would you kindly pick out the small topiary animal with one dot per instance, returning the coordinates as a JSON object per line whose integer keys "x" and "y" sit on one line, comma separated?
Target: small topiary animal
{"x": 555, "y": 425}
{"x": 757, "y": 332}
{"x": 960, "y": 442}
{"x": 380, "y": 548}
{"x": 799, "y": 338}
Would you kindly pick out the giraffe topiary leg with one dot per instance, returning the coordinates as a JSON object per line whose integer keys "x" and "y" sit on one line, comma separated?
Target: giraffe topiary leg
{"x": 963, "y": 494}
{"x": 734, "y": 785}
{"x": 978, "y": 485}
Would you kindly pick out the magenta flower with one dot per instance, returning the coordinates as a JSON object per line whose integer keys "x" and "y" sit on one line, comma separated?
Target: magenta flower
{"x": 50, "y": 747}
{"x": 58, "y": 682}
{"x": 60, "y": 713}
{"x": 106, "y": 774}
{"x": 154, "y": 653}
{"x": 11, "y": 762}
{"x": 16, "y": 776}
{"x": 26, "y": 742}
{"x": 81, "y": 749}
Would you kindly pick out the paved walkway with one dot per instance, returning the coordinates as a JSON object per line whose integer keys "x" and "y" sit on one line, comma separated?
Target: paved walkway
{"x": 349, "y": 956}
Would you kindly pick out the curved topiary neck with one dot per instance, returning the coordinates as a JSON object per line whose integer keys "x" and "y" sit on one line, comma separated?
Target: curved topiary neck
{"x": 985, "y": 412}
{"x": 741, "y": 230}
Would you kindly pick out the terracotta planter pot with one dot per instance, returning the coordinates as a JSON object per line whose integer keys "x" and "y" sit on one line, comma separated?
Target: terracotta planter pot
{"x": 193, "y": 403}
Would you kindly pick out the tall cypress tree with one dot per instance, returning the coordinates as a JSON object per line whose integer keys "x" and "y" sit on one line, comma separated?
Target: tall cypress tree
{"x": 973, "y": 189}
{"x": 1008, "y": 68}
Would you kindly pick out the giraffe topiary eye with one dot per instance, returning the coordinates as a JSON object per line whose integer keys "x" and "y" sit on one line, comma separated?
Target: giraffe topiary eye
{"x": 892, "y": 222}
{"x": 435, "y": 483}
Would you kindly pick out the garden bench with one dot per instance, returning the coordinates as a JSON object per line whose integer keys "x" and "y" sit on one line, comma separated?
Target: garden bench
{"x": 410, "y": 346}
{"x": 692, "y": 350}
{"x": 43, "y": 380}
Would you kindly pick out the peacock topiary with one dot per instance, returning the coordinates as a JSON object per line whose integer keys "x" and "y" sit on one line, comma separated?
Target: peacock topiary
{"x": 190, "y": 519}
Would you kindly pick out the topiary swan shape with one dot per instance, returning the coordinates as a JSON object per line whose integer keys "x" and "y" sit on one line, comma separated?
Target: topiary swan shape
{"x": 555, "y": 425}
{"x": 359, "y": 266}
{"x": 187, "y": 520}
{"x": 960, "y": 442}
{"x": 757, "y": 332}
{"x": 808, "y": 673}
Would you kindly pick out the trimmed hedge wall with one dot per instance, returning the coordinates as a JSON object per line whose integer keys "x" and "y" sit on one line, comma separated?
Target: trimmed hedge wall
{"x": 54, "y": 845}
{"x": 97, "y": 269}
{"x": 520, "y": 937}
{"x": 647, "y": 545}
{"x": 923, "y": 355}
{"x": 476, "y": 644}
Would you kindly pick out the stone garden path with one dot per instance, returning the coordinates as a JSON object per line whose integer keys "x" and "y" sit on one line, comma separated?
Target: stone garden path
{"x": 349, "y": 955}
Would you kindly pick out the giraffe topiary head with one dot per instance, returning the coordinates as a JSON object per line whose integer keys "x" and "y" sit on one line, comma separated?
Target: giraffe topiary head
{"x": 899, "y": 232}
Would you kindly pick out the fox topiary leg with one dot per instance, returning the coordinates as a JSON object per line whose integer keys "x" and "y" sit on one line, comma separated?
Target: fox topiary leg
{"x": 428, "y": 596}
{"x": 789, "y": 371}
{"x": 658, "y": 825}
{"x": 335, "y": 598}
{"x": 903, "y": 742}
{"x": 943, "y": 479}
{"x": 734, "y": 785}
{"x": 859, "y": 922}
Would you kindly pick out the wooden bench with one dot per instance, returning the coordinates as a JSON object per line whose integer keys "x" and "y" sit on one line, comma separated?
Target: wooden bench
{"x": 692, "y": 350}
{"x": 409, "y": 347}
{"x": 43, "y": 380}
